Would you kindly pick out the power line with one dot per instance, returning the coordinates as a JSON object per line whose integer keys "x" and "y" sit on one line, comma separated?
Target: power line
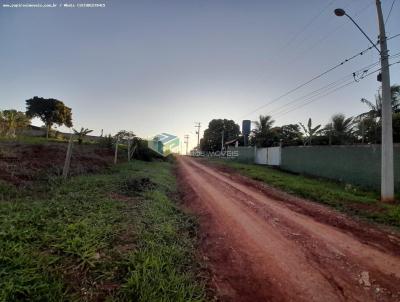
{"x": 315, "y": 78}
{"x": 329, "y": 34}
{"x": 311, "y": 80}
{"x": 355, "y": 76}
{"x": 364, "y": 74}
{"x": 316, "y": 99}
{"x": 392, "y": 37}
{"x": 390, "y": 11}
{"x": 324, "y": 88}
{"x": 330, "y": 92}
{"x": 303, "y": 29}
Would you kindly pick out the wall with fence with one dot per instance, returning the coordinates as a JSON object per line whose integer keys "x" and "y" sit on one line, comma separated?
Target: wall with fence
{"x": 355, "y": 164}
{"x": 245, "y": 154}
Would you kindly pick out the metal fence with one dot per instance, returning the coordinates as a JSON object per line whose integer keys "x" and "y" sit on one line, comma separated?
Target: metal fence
{"x": 245, "y": 154}
{"x": 353, "y": 164}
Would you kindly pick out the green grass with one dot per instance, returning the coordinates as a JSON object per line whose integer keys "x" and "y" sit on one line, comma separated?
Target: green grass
{"x": 84, "y": 239}
{"x": 39, "y": 140}
{"x": 346, "y": 198}
{"x": 35, "y": 140}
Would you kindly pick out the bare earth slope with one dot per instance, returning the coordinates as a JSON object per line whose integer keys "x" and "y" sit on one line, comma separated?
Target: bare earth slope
{"x": 261, "y": 246}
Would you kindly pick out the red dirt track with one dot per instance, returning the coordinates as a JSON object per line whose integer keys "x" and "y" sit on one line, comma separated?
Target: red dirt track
{"x": 263, "y": 245}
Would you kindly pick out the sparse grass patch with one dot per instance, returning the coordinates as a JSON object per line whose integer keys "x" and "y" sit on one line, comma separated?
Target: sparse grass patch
{"x": 133, "y": 186}
{"x": 161, "y": 265}
{"x": 81, "y": 242}
{"x": 346, "y": 198}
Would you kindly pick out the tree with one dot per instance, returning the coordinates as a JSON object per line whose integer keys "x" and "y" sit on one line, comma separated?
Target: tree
{"x": 340, "y": 129}
{"x": 130, "y": 139}
{"x": 11, "y": 121}
{"x": 376, "y": 109}
{"x": 106, "y": 141}
{"x": 125, "y": 135}
{"x": 395, "y": 93}
{"x": 396, "y": 127}
{"x": 81, "y": 134}
{"x": 291, "y": 135}
{"x": 368, "y": 129}
{"x": 262, "y": 135}
{"x": 310, "y": 131}
{"x": 369, "y": 123}
{"x": 2, "y": 123}
{"x": 218, "y": 128}
{"x": 50, "y": 111}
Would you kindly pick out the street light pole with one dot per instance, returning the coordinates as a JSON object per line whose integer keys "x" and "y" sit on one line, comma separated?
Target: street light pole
{"x": 387, "y": 181}
{"x": 387, "y": 175}
{"x": 340, "y": 12}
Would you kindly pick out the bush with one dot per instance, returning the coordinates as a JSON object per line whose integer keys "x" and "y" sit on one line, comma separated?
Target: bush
{"x": 143, "y": 152}
{"x": 107, "y": 142}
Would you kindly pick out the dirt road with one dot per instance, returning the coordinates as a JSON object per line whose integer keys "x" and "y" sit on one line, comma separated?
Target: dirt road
{"x": 264, "y": 245}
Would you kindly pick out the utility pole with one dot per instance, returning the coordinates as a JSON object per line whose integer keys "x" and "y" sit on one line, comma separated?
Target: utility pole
{"x": 387, "y": 182}
{"x": 198, "y": 125}
{"x": 186, "y": 143}
{"x": 387, "y": 175}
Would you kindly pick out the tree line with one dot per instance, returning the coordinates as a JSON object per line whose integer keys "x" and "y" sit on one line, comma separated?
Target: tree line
{"x": 362, "y": 129}
{"x": 49, "y": 111}
{"x": 54, "y": 112}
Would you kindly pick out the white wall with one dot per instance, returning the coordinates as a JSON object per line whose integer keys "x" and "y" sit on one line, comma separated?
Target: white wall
{"x": 261, "y": 156}
{"x": 274, "y": 156}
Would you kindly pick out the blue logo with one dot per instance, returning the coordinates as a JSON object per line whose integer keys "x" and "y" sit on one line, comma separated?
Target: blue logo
{"x": 164, "y": 144}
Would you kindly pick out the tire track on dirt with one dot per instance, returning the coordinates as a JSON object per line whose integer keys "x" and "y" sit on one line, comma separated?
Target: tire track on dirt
{"x": 299, "y": 258}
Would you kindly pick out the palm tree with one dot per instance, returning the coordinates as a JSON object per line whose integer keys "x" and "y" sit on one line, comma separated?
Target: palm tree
{"x": 376, "y": 109}
{"x": 264, "y": 123}
{"x": 395, "y": 93}
{"x": 81, "y": 134}
{"x": 368, "y": 128}
{"x": 310, "y": 131}
{"x": 369, "y": 122}
{"x": 262, "y": 132}
{"x": 340, "y": 128}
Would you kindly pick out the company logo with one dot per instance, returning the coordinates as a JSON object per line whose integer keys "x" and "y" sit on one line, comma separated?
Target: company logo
{"x": 164, "y": 144}
{"x": 227, "y": 153}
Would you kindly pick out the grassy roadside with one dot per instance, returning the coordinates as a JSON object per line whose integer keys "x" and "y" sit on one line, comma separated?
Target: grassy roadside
{"x": 32, "y": 140}
{"x": 346, "y": 198}
{"x": 111, "y": 237}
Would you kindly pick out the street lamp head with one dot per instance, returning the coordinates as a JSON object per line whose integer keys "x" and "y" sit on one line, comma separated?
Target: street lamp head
{"x": 339, "y": 12}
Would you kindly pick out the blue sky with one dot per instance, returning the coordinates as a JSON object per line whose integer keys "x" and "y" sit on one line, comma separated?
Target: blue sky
{"x": 159, "y": 66}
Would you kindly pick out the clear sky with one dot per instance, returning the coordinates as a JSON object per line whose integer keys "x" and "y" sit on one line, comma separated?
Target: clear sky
{"x": 157, "y": 66}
